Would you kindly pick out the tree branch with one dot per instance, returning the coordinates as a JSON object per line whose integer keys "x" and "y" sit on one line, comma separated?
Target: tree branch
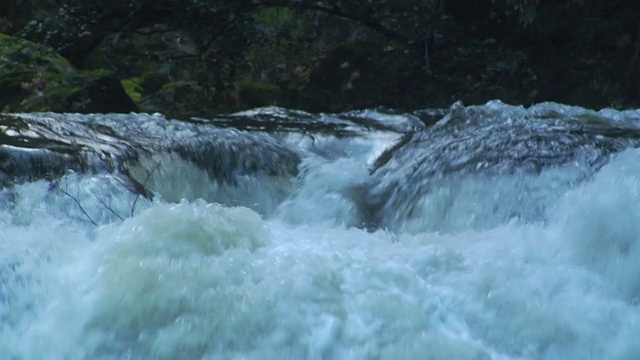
{"x": 144, "y": 185}
{"x": 77, "y": 202}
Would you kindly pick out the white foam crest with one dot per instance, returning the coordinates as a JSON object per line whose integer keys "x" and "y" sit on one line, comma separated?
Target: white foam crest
{"x": 34, "y": 246}
{"x": 74, "y": 198}
{"x": 601, "y": 224}
{"x": 99, "y": 199}
{"x": 199, "y": 280}
{"x": 397, "y": 122}
{"x": 626, "y": 118}
{"x": 321, "y": 195}
{"x": 162, "y": 284}
{"x": 516, "y": 294}
{"x": 367, "y": 148}
{"x": 175, "y": 179}
{"x": 483, "y": 202}
{"x": 273, "y": 111}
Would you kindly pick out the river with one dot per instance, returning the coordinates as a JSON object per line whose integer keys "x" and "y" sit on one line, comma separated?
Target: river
{"x": 500, "y": 232}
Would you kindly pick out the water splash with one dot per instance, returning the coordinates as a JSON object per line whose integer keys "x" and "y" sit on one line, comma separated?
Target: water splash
{"x": 464, "y": 279}
{"x": 488, "y": 162}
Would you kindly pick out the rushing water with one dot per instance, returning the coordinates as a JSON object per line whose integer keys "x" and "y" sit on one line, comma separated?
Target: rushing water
{"x": 521, "y": 261}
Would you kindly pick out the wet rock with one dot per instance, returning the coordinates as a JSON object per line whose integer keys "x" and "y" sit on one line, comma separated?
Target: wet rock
{"x": 45, "y": 145}
{"x": 455, "y": 162}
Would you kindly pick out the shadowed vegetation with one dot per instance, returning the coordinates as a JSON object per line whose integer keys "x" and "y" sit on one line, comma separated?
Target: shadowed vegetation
{"x": 199, "y": 57}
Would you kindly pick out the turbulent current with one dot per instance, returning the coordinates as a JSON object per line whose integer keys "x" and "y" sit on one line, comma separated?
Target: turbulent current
{"x": 481, "y": 232}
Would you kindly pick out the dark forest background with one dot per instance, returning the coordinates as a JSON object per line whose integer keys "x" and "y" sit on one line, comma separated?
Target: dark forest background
{"x": 201, "y": 57}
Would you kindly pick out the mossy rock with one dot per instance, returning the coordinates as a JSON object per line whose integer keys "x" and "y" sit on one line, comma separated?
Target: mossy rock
{"x": 33, "y": 77}
{"x": 160, "y": 72}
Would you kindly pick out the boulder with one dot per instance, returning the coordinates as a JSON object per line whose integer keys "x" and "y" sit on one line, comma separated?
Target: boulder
{"x": 33, "y": 77}
{"x": 477, "y": 161}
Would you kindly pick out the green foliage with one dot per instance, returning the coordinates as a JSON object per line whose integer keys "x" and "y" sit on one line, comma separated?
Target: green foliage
{"x": 27, "y": 71}
{"x": 35, "y": 78}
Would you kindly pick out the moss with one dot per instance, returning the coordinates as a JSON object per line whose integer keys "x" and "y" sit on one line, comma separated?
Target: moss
{"x": 133, "y": 88}
{"x": 33, "y": 77}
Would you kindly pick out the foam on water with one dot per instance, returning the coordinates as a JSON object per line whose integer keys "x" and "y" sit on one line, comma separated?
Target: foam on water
{"x": 201, "y": 280}
{"x": 172, "y": 178}
{"x": 503, "y": 265}
{"x": 321, "y": 196}
{"x": 600, "y": 223}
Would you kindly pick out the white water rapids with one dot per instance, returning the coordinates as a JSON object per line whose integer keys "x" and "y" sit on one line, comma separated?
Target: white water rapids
{"x": 194, "y": 279}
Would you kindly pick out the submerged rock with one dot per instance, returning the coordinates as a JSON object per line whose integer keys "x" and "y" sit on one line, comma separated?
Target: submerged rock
{"x": 463, "y": 167}
{"x": 477, "y": 167}
{"x": 46, "y": 145}
{"x": 249, "y": 158}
